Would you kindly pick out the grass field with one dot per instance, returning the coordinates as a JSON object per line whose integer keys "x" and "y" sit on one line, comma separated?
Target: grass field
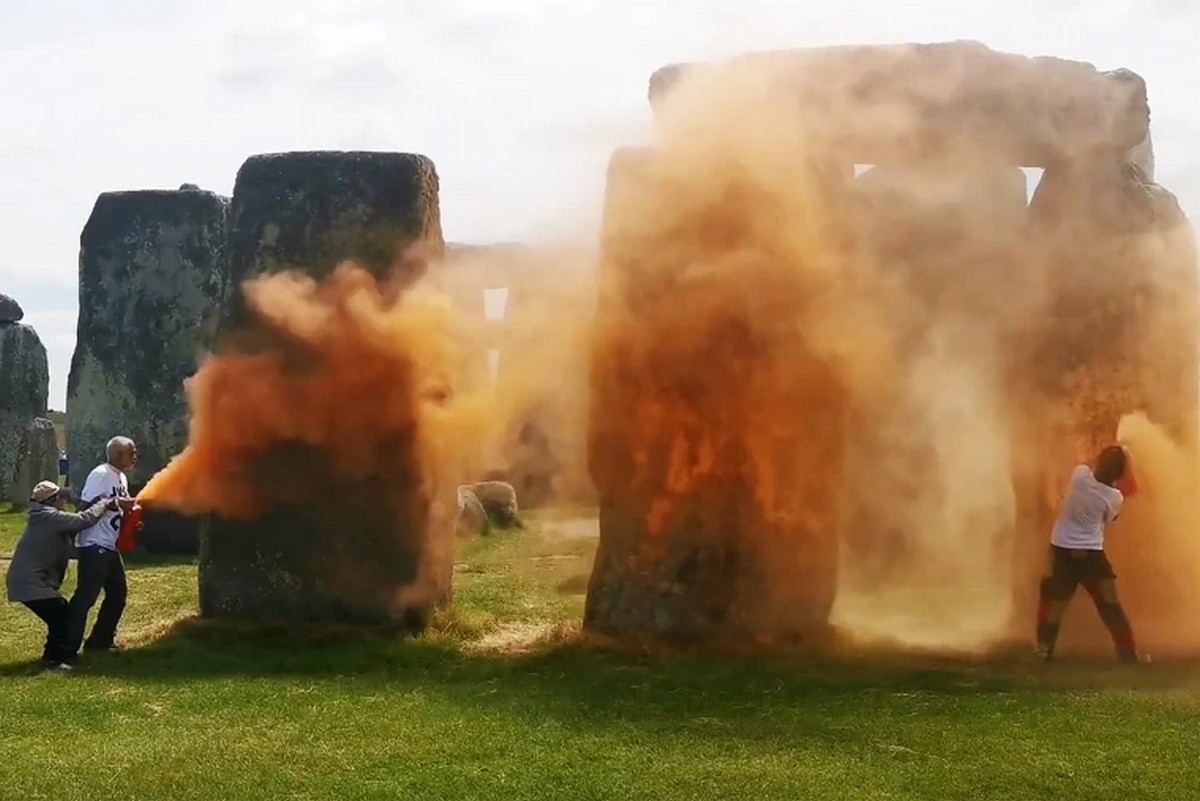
{"x": 504, "y": 700}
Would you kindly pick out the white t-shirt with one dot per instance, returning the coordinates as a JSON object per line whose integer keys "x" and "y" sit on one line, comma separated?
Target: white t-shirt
{"x": 1087, "y": 509}
{"x": 105, "y": 481}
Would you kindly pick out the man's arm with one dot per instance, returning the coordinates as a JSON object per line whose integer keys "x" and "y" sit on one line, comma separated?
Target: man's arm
{"x": 1128, "y": 484}
{"x": 1114, "y": 509}
{"x": 74, "y": 522}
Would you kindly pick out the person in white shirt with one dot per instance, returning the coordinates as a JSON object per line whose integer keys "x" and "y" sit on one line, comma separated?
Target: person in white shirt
{"x": 1094, "y": 499}
{"x": 100, "y": 565}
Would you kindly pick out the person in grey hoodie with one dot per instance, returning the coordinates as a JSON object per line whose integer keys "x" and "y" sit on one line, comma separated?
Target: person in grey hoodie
{"x": 39, "y": 564}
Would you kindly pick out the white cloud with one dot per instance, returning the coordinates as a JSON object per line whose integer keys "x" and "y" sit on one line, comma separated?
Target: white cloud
{"x": 17, "y": 277}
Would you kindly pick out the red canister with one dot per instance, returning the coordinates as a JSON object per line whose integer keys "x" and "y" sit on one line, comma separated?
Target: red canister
{"x": 129, "y": 522}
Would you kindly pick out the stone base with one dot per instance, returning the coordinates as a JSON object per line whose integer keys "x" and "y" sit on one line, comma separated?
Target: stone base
{"x": 293, "y": 567}
{"x": 712, "y": 580}
{"x": 168, "y": 532}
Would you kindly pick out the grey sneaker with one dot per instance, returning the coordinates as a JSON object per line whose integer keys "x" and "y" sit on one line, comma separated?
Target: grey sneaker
{"x": 64, "y": 667}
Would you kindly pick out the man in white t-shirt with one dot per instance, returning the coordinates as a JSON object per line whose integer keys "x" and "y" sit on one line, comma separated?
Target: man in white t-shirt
{"x": 1094, "y": 499}
{"x": 100, "y": 565}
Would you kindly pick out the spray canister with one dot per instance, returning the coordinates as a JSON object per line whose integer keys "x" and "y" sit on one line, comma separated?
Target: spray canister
{"x": 129, "y": 523}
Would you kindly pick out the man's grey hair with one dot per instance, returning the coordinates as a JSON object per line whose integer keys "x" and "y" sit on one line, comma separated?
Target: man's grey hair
{"x": 115, "y": 445}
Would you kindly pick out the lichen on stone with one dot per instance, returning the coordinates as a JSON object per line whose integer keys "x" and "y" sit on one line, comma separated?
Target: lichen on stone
{"x": 24, "y": 390}
{"x": 153, "y": 278}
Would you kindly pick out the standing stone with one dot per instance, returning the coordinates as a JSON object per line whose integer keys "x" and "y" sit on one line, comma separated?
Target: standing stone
{"x": 37, "y": 460}
{"x": 1142, "y": 157}
{"x": 363, "y": 553}
{"x": 310, "y": 211}
{"x": 899, "y": 103}
{"x": 1122, "y": 337}
{"x": 24, "y": 389}
{"x": 152, "y": 277}
{"x": 10, "y": 310}
{"x": 1132, "y": 86}
{"x": 715, "y": 441}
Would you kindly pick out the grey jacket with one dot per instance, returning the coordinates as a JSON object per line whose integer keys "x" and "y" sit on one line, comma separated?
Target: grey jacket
{"x": 39, "y": 563}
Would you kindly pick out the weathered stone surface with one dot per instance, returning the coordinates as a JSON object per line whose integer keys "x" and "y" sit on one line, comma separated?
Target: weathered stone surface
{"x": 484, "y": 505}
{"x": 1142, "y": 157}
{"x": 24, "y": 388}
{"x": 699, "y": 539}
{"x": 897, "y": 103}
{"x": 1121, "y": 335}
{"x": 312, "y": 567}
{"x": 311, "y": 210}
{"x": 1124, "y": 262}
{"x": 24, "y": 371}
{"x": 153, "y": 274}
{"x": 1093, "y": 314}
{"x": 499, "y": 500}
{"x": 10, "y": 310}
{"x": 472, "y": 518}
{"x": 339, "y": 547}
{"x": 37, "y": 460}
{"x": 165, "y": 530}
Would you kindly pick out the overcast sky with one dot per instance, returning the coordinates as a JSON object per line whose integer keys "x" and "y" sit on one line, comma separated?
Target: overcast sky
{"x": 519, "y": 102}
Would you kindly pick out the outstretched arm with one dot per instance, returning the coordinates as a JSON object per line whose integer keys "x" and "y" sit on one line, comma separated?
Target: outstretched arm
{"x": 1127, "y": 484}
{"x": 74, "y": 522}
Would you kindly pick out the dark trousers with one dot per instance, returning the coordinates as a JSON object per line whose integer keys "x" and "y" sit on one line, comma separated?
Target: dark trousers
{"x": 99, "y": 569}
{"x": 1068, "y": 570}
{"x": 56, "y": 614}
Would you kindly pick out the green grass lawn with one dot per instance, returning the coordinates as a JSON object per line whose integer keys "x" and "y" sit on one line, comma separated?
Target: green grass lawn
{"x": 504, "y": 700}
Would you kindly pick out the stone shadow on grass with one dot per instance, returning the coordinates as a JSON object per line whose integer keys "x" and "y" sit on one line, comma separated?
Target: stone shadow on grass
{"x": 580, "y": 685}
{"x": 584, "y": 686}
{"x": 582, "y": 669}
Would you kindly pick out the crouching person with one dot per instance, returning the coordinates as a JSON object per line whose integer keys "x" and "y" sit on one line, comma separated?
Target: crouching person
{"x": 39, "y": 565}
